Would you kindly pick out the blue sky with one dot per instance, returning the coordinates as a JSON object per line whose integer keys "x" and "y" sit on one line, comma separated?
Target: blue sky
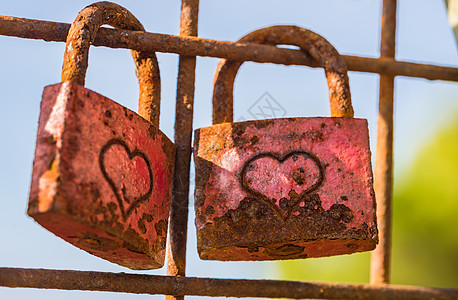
{"x": 352, "y": 26}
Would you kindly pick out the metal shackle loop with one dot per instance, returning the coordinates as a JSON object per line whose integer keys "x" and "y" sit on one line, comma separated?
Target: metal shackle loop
{"x": 312, "y": 43}
{"x": 82, "y": 34}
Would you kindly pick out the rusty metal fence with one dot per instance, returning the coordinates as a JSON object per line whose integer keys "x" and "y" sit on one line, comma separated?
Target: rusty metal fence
{"x": 176, "y": 285}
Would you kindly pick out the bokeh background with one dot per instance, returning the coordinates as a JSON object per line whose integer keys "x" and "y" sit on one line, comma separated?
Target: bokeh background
{"x": 425, "y": 237}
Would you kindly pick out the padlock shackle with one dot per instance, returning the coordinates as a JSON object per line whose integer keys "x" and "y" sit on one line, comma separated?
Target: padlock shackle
{"x": 83, "y": 32}
{"x": 312, "y": 43}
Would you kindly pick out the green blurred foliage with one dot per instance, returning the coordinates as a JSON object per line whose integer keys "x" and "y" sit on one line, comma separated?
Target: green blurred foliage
{"x": 425, "y": 236}
{"x": 425, "y": 225}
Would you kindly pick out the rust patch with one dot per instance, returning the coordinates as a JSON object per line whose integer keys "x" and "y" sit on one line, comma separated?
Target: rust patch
{"x": 254, "y": 225}
{"x": 161, "y": 232}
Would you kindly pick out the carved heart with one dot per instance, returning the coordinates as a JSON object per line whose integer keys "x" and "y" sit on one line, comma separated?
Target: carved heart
{"x": 298, "y": 173}
{"x": 121, "y": 192}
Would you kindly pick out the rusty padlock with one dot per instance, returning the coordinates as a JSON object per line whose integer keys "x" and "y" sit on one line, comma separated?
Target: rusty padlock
{"x": 102, "y": 174}
{"x": 284, "y": 188}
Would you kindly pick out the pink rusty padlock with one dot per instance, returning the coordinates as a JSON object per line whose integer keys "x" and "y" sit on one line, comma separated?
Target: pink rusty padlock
{"x": 284, "y": 188}
{"x": 102, "y": 174}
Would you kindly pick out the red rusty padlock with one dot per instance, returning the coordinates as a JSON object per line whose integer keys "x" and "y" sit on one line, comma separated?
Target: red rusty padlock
{"x": 284, "y": 188}
{"x": 102, "y": 174}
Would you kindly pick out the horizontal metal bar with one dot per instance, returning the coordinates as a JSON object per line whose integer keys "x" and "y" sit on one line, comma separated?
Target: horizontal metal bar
{"x": 192, "y": 286}
{"x": 193, "y": 46}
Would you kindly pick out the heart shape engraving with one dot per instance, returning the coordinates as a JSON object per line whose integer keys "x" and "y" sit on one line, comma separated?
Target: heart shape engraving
{"x": 133, "y": 203}
{"x": 250, "y": 164}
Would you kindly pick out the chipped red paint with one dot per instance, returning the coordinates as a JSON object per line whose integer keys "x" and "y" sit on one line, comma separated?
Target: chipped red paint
{"x": 284, "y": 188}
{"x": 102, "y": 174}
{"x": 102, "y": 177}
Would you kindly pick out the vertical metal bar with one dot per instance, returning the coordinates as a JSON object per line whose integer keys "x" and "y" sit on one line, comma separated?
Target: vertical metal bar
{"x": 381, "y": 256}
{"x": 183, "y": 133}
